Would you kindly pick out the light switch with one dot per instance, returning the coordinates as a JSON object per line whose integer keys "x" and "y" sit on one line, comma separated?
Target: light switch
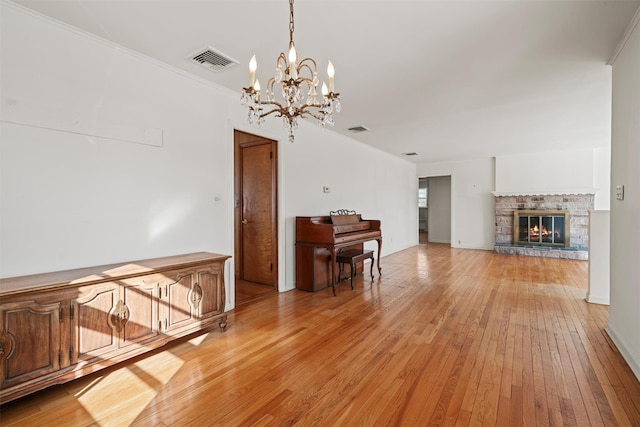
{"x": 620, "y": 192}
{"x": 326, "y": 189}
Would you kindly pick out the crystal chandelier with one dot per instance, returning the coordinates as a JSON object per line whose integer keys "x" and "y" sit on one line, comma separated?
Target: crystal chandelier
{"x": 299, "y": 84}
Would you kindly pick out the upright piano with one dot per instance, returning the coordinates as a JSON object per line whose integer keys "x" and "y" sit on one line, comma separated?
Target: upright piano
{"x": 320, "y": 238}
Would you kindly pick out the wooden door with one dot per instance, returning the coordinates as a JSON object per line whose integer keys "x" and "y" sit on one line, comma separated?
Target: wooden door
{"x": 255, "y": 209}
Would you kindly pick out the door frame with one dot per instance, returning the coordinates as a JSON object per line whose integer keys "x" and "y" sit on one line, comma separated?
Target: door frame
{"x": 237, "y": 206}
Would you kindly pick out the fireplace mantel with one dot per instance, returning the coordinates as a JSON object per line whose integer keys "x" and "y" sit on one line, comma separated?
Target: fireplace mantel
{"x": 565, "y": 192}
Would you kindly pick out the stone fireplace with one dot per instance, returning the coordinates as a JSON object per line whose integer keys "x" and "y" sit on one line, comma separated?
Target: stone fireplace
{"x": 543, "y": 225}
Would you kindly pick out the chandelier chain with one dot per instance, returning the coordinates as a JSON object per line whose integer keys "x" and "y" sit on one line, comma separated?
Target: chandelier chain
{"x": 291, "y": 27}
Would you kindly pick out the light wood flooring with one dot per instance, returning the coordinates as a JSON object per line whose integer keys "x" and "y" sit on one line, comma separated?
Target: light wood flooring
{"x": 444, "y": 337}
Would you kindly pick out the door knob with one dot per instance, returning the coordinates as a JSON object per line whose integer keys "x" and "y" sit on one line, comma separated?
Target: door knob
{"x": 245, "y": 221}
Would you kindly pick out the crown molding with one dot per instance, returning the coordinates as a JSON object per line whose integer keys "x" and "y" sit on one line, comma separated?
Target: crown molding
{"x": 625, "y": 37}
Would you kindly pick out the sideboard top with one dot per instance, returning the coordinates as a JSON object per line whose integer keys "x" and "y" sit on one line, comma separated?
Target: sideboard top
{"x": 87, "y": 275}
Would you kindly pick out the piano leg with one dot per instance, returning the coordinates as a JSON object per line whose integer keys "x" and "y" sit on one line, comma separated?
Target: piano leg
{"x": 333, "y": 273}
{"x": 379, "y": 252}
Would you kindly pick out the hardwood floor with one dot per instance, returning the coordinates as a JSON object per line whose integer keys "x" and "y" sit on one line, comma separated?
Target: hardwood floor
{"x": 445, "y": 337}
{"x": 249, "y": 291}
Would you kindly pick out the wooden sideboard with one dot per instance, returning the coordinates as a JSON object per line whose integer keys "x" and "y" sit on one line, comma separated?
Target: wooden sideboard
{"x": 55, "y": 327}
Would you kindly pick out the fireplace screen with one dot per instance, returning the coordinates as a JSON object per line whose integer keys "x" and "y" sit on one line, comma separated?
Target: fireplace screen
{"x": 549, "y": 228}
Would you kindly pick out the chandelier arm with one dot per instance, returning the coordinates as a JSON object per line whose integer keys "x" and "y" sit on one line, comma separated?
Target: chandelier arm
{"x": 305, "y": 108}
{"x": 301, "y": 67}
{"x": 276, "y": 103}
{"x": 275, "y": 110}
{"x": 301, "y": 112}
{"x": 270, "y": 84}
{"x": 303, "y": 79}
{"x": 282, "y": 57}
{"x": 314, "y": 115}
{"x": 304, "y": 111}
{"x": 315, "y": 65}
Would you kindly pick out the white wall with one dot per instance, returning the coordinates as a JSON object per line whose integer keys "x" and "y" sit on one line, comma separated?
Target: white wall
{"x": 557, "y": 172}
{"x": 602, "y": 178}
{"x": 599, "y": 254}
{"x": 624, "y": 316}
{"x": 472, "y": 201}
{"x": 548, "y": 171}
{"x": 72, "y": 199}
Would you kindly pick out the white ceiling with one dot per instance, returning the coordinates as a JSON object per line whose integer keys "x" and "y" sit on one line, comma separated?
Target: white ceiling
{"x": 445, "y": 79}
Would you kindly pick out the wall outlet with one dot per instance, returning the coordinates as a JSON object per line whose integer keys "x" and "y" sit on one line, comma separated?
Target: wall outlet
{"x": 620, "y": 192}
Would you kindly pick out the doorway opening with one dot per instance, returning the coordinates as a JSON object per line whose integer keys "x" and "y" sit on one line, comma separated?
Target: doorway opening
{"x": 255, "y": 216}
{"x": 423, "y": 209}
{"x": 434, "y": 213}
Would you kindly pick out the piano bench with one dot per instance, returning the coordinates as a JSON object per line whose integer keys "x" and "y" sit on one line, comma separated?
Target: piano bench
{"x": 352, "y": 257}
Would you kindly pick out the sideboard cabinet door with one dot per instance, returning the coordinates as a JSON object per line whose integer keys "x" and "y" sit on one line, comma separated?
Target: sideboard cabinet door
{"x": 193, "y": 296}
{"x": 93, "y": 334}
{"x": 141, "y": 301}
{"x": 210, "y": 281}
{"x": 30, "y": 340}
{"x": 111, "y": 316}
{"x": 178, "y": 310}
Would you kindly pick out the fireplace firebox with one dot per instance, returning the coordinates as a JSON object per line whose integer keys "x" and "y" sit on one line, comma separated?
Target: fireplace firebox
{"x": 541, "y": 227}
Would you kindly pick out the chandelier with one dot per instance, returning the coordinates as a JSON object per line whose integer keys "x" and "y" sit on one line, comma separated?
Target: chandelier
{"x": 299, "y": 83}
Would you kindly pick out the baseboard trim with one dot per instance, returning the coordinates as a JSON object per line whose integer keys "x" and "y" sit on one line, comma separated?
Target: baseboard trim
{"x": 624, "y": 350}
{"x": 596, "y": 299}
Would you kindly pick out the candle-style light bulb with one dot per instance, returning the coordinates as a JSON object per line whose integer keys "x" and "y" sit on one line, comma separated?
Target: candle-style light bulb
{"x": 253, "y": 65}
{"x": 256, "y": 86}
{"x": 292, "y": 62}
{"x": 325, "y": 91}
{"x": 330, "y": 72}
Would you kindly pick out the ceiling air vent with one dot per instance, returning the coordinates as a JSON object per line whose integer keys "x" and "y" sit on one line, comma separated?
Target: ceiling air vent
{"x": 212, "y": 59}
{"x": 410, "y": 154}
{"x": 357, "y": 129}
